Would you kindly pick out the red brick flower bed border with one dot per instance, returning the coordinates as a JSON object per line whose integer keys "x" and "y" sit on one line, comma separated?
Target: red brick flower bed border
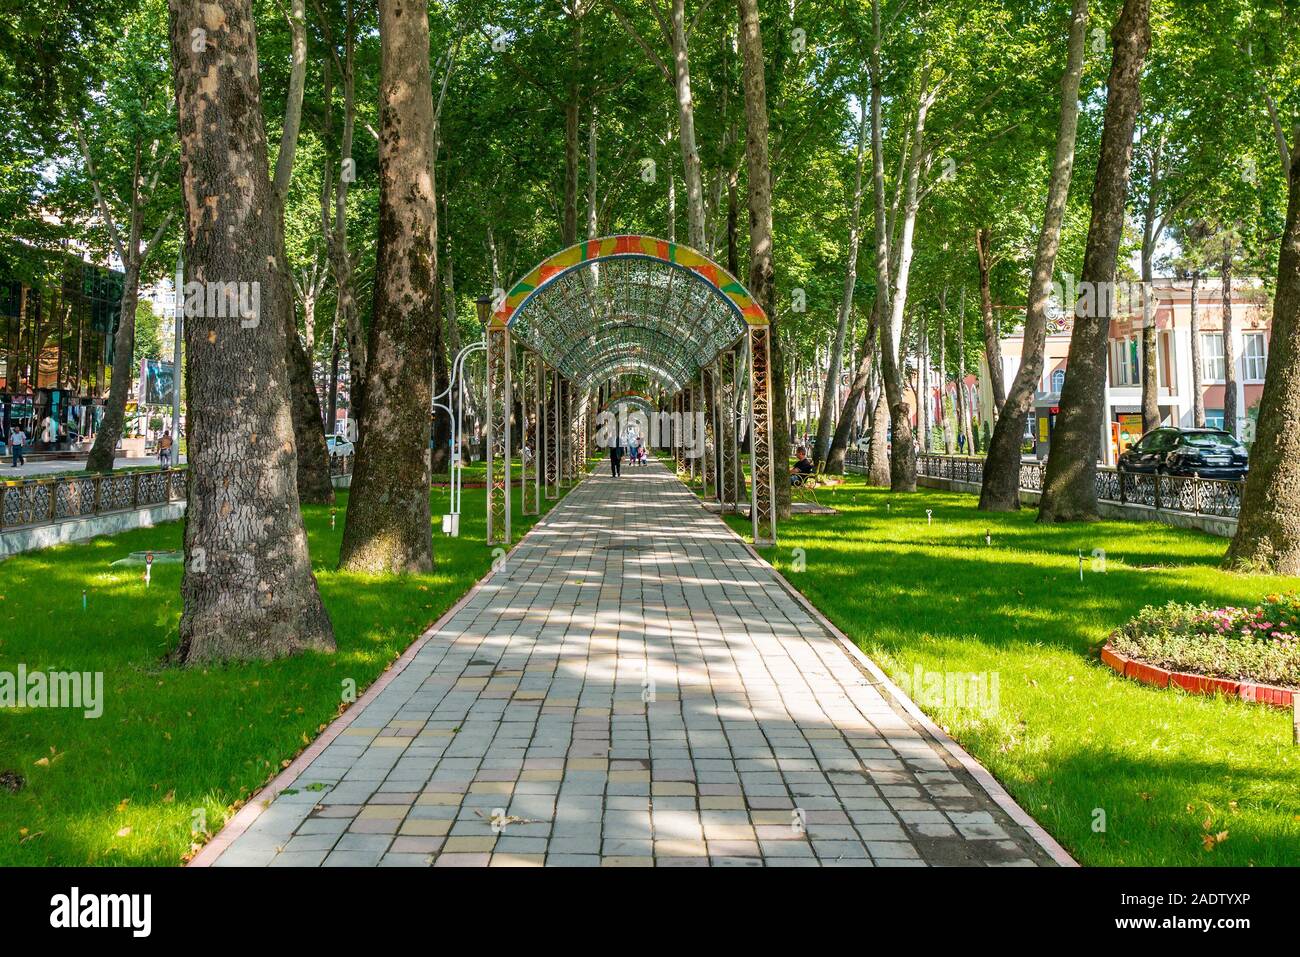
{"x": 1196, "y": 684}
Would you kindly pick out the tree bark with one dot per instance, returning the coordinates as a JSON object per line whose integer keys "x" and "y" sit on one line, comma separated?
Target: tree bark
{"x": 569, "y": 226}
{"x": 945, "y": 418}
{"x": 388, "y": 525}
{"x": 314, "y": 485}
{"x": 1268, "y": 528}
{"x": 830, "y": 393}
{"x": 1000, "y": 491}
{"x": 963, "y": 390}
{"x": 346, "y": 309}
{"x": 1070, "y": 489}
{"x": 1150, "y": 349}
{"x": 902, "y": 450}
{"x": 857, "y": 388}
{"x": 878, "y": 470}
{"x": 761, "y": 268}
{"x": 104, "y": 450}
{"x": 1198, "y": 398}
{"x": 992, "y": 335}
{"x": 686, "y": 128}
{"x": 1229, "y": 345}
{"x": 440, "y": 427}
{"x": 247, "y": 587}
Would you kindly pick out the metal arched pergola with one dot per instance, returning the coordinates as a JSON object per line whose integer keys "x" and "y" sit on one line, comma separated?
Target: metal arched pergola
{"x": 604, "y": 309}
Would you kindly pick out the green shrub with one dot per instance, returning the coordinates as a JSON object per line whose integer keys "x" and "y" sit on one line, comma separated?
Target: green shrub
{"x": 1261, "y": 643}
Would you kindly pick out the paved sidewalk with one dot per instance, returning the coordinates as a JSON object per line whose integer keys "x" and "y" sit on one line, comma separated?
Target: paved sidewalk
{"x": 633, "y": 688}
{"x": 59, "y": 466}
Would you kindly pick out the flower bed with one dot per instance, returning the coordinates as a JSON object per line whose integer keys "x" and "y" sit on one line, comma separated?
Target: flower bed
{"x": 1252, "y": 653}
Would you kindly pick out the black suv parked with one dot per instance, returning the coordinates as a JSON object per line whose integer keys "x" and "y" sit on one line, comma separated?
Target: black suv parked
{"x": 1209, "y": 453}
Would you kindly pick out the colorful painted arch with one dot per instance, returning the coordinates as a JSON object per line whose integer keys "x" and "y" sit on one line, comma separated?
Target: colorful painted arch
{"x": 610, "y": 247}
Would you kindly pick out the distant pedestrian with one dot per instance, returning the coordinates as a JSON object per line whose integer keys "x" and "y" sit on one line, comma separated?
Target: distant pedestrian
{"x": 616, "y": 458}
{"x": 165, "y": 449}
{"x": 16, "y": 442}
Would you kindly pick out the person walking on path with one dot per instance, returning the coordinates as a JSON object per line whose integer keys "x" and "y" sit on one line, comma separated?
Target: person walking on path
{"x": 165, "y": 449}
{"x": 616, "y": 458}
{"x": 16, "y": 442}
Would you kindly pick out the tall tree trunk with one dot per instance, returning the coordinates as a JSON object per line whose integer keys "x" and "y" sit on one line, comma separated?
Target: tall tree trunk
{"x": 592, "y": 183}
{"x": 104, "y": 450}
{"x": 1198, "y": 397}
{"x": 1229, "y": 344}
{"x": 1268, "y": 528}
{"x": 686, "y": 127}
{"x": 831, "y": 391}
{"x": 902, "y": 450}
{"x": 762, "y": 282}
{"x": 1001, "y": 489}
{"x": 992, "y": 334}
{"x": 1070, "y": 489}
{"x": 878, "y": 471}
{"x": 440, "y": 427}
{"x": 857, "y": 388}
{"x": 247, "y": 586}
{"x": 314, "y": 485}
{"x": 1150, "y": 339}
{"x": 344, "y": 282}
{"x": 944, "y": 417}
{"x": 733, "y": 224}
{"x": 388, "y": 527}
{"x": 963, "y": 389}
{"x": 331, "y": 412}
{"x": 924, "y": 416}
{"x": 572, "y": 108}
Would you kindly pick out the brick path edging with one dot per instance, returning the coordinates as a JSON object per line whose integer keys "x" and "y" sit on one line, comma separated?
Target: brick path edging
{"x": 977, "y": 771}
{"x": 1158, "y": 677}
{"x": 261, "y": 799}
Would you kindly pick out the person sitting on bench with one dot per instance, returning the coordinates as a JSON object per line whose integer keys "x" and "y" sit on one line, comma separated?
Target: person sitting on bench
{"x": 802, "y": 467}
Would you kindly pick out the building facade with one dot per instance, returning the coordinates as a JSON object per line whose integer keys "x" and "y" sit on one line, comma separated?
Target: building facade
{"x": 1252, "y": 325}
{"x": 58, "y": 316}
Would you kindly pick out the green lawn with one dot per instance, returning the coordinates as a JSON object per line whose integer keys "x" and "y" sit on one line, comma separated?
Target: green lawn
{"x": 173, "y": 744}
{"x": 1070, "y": 739}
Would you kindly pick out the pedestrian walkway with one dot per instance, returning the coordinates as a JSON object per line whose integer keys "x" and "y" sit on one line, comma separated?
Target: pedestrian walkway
{"x": 634, "y": 688}
{"x": 44, "y": 469}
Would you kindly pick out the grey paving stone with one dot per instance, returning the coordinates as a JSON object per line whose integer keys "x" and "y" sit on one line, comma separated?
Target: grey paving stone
{"x": 530, "y": 703}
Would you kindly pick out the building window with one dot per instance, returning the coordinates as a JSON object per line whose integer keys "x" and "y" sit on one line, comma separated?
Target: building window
{"x": 1168, "y": 364}
{"x": 1124, "y": 361}
{"x": 1058, "y": 380}
{"x": 1214, "y": 418}
{"x": 1212, "y": 367}
{"x": 1256, "y": 358}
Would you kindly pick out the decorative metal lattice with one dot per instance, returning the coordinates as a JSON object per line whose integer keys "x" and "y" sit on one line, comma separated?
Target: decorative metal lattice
{"x": 498, "y": 436}
{"x": 530, "y": 390}
{"x": 636, "y": 307}
{"x": 763, "y": 511}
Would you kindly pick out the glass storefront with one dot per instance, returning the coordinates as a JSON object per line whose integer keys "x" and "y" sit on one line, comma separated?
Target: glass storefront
{"x": 58, "y": 316}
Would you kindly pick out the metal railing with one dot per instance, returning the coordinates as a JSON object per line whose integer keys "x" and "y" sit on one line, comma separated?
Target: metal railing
{"x": 57, "y": 499}
{"x": 41, "y": 501}
{"x": 1193, "y": 495}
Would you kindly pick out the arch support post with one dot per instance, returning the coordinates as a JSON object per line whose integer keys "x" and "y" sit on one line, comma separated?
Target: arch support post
{"x": 689, "y": 431}
{"x": 530, "y": 454}
{"x": 679, "y": 426}
{"x": 709, "y": 436}
{"x": 551, "y": 450}
{"x": 500, "y": 401}
{"x": 566, "y": 432}
{"x": 762, "y": 509}
{"x": 715, "y": 427}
